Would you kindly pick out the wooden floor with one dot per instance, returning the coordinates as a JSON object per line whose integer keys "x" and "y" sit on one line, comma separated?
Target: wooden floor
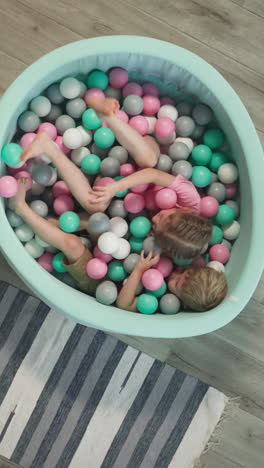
{"x": 229, "y": 34}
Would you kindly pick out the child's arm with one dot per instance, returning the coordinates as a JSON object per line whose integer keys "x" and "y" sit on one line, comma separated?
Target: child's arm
{"x": 127, "y": 297}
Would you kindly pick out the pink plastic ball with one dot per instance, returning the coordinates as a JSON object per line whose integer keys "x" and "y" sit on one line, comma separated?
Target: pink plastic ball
{"x": 94, "y": 92}
{"x": 49, "y": 128}
{"x": 139, "y": 188}
{"x": 199, "y": 262}
{"x": 164, "y": 127}
{"x": 139, "y": 123}
{"x": 151, "y": 123}
{"x": 104, "y": 125}
{"x": 122, "y": 115}
{"x": 219, "y": 253}
{"x": 132, "y": 88}
{"x": 118, "y": 77}
{"x": 63, "y": 203}
{"x": 152, "y": 279}
{"x": 63, "y": 148}
{"x": 45, "y": 261}
{"x": 231, "y": 190}
{"x": 103, "y": 181}
{"x": 150, "y": 89}
{"x": 134, "y": 203}
{"x": 127, "y": 169}
{"x": 166, "y": 198}
{"x": 96, "y": 268}
{"x": 60, "y": 188}
{"x": 165, "y": 266}
{"x": 27, "y": 139}
{"x": 26, "y": 174}
{"x": 208, "y": 206}
{"x": 151, "y": 105}
{"x": 166, "y": 100}
{"x": 150, "y": 202}
{"x": 8, "y": 186}
{"x": 97, "y": 253}
{"x": 15, "y": 170}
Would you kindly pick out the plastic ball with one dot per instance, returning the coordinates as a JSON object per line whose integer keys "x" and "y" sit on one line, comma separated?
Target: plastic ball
{"x": 39, "y": 207}
{"x": 214, "y": 138}
{"x": 75, "y": 107}
{"x": 11, "y": 153}
{"x": 96, "y": 268}
{"x": 99, "y": 223}
{"x": 185, "y": 126}
{"x": 139, "y": 123}
{"x": 83, "y": 89}
{"x": 49, "y": 128}
{"x": 41, "y": 242}
{"x": 151, "y": 105}
{"x": 116, "y": 208}
{"x": 140, "y": 226}
{"x": 201, "y": 155}
{"x": 34, "y": 249}
{"x": 231, "y": 190}
{"x": 63, "y": 123}
{"x": 118, "y": 226}
{"x": 227, "y": 244}
{"x": 147, "y": 304}
{"x": 121, "y": 193}
{"x": 104, "y": 137}
{"x": 60, "y": 144}
{"x": 108, "y": 242}
{"x": 187, "y": 141}
{"x": 165, "y": 266}
{"x": 227, "y": 173}
{"x": 118, "y": 77}
{"x": 208, "y": 206}
{"x": 47, "y": 197}
{"x": 139, "y": 188}
{"x": 166, "y": 100}
{"x": 182, "y": 262}
{"x": 97, "y": 253}
{"x": 184, "y": 108}
{"x": 182, "y": 167}
{"x": 166, "y": 198}
{"x": 217, "y": 160}
{"x": 164, "y": 127}
{"x": 106, "y": 293}
{"x": 45, "y": 260}
{"x": 60, "y": 188}
{"x": 63, "y": 203}
{"x": 149, "y": 200}
{"x": 216, "y": 266}
{"x": 116, "y": 271}
{"x": 219, "y": 253}
{"x": 27, "y": 139}
{"x": 132, "y": 89}
{"x": 233, "y": 205}
{"x": 158, "y": 292}
{"x": 41, "y": 105}
{"x": 225, "y": 214}
{"x": 72, "y": 138}
{"x": 28, "y": 121}
{"x": 53, "y": 178}
{"x": 217, "y": 190}
{"x": 110, "y": 167}
{"x": 8, "y": 186}
{"x": 168, "y": 110}
{"x": 104, "y": 181}
{"x": 69, "y": 221}
{"x": 231, "y": 231}
{"x": 54, "y": 113}
{"x": 136, "y": 244}
{"x": 152, "y": 279}
{"x": 91, "y": 164}
{"x": 93, "y": 92}
{"x": 90, "y": 120}
{"x": 54, "y": 94}
{"x": 101, "y": 152}
{"x": 198, "y": 262}
{"x": 97, "y": 79}
{"x": 134, "y": 202}
{"x": 151, "y": 123}
{"x": 87, "y": 135}
{"x": 178, "y": 151}
{"x": 24, "y": 233}
{"x": 201, "y": 176}
{"x": 123, "y": 249}
{"x": 169, "y": 304}
{"x": 198, "y": 132}
{"x": 18, "y": 167}
{"x": 122, "y": 115}
{"x": 150, "y": 89}
{"x": 57, "y": 263}
{"x": 70, "y": 88}
{"x": 127, "y": 169}
{"x": 79, "y": 154}
{"x": 42, "y": 174}
{"x": 149, "y": 244}
{"x": 202, "y": 114}
{"x": 119, "y": 153}
{"x": 130, "y": 262}
{"x": 133, "y": 104}
{"x": 13, "y": 219}
{"x": 164, "y": 163}
{"x": 217, "y": 236}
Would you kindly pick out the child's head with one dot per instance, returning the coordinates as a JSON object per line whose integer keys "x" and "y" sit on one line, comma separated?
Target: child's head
{"x": 199, "y": 289}
{"x": 181, "y": 234}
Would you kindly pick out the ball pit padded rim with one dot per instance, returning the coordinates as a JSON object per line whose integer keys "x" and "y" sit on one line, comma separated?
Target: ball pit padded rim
{"x": 109, "y": 318}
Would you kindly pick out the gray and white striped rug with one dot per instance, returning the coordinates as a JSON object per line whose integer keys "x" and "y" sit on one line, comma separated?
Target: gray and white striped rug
{"x": 75, "y": 397}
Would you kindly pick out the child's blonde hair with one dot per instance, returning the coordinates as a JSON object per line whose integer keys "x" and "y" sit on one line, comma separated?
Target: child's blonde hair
{"x": 203, "y": 289}
{"x": 183, "y": 235}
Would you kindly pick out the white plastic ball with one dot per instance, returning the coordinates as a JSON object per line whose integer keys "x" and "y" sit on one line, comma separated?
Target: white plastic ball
{"x": 70, "y": 88}
{"x": 108, "y": 242}
{"x": 53, "y": 178}
{"x": 87, "y": 135}
{"x": 83, "y": 88}
{"x": 204, "y": 249}
{"x": 34, "y": 249}
{"x": 86, "y": 242}
{"x": 39, "y": 207}
{"x": 24, "y": 233}
{"x": 227, "y": 173}
{"x": 72, "y": 138}
{"x": 232, "y": 230}
{"x": 168, "y": 111}
{"x": 216, "y": 266}
{"x": 187, "y": 141}
{"x": 41, "y": 106}
{"x": 123, "y": 249}
{"x": 118, "y": 226}
{"x": 44, "y": 158}
{"x": 41, "y": 242}
{"x": 78, "y": 154}
{"x": 151, "y": 122}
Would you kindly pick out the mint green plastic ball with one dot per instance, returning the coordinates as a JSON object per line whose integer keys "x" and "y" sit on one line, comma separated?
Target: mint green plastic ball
{"x": 158, "y": 292}
{"x": 91, "y": 164}
{"x": 57, "y": 263}
{"x": 116, "y": 271}
{"x": 206, "y": 258}
{"x": 122, "y": 193}
{"x": 140, "y": 226}
{"x": 97, "y": 79}
{"x": 10, "y": 154}
{"x": 69, "y": 221}
{"x": 91, "y": 120}
{"x": 214, "y": 138}
{"x": 217, "y": 160}
{"x": 201, "y": 155}
{"x": 136, "y": 244}
{"x": 217, "y": 235}
{"x": 104, "y": 137}
{"x": 225, "y": 214}
{"x": 201, "y": 176}
{"x": 182, "y": 262}
{"x": 147, "y": 304}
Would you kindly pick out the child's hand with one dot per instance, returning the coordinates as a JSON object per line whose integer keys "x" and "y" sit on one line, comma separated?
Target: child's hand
{"x": 103, "y": 194}
{"x": 145, "y": 263}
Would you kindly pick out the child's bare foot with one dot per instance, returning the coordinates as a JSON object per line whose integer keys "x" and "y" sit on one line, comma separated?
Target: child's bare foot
{"x": 41, "y": 144}
{"x": 16, "y": 203}
{"x": 106, "y": 106}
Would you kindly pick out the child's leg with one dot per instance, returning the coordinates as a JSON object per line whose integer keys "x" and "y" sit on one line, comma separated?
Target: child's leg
{"x": 144, "y": 150}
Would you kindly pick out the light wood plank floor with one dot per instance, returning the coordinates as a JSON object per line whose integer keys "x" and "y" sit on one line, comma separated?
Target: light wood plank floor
{"x": 229, "y": 34}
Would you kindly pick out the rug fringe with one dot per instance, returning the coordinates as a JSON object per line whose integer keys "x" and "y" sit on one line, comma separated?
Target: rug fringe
{"x": 231, "y": 407}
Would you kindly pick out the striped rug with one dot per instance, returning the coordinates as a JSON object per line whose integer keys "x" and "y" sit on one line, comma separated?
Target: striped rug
{"x": 75, "y": 397}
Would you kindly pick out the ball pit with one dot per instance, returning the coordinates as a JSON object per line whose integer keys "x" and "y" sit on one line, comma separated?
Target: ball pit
{"x": 196, "y": 77}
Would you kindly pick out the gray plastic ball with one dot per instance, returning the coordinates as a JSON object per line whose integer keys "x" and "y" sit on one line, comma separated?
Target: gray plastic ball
{"x": 63, "y": 123}
{"x": 198, "y": 132}
{"x": 54, "y": 94}
{"x": 149, "y": 244}
{"x": 48, "y": 197}
{"x": 130, "y": 262}
{"x": 101, "y": 152}
{"x": 233, "y": 205}
{"x": 41, "y": 105}
{"x": 133, "y": 104}
{"x": 184, "y": 126}
{"x": 169, "y": 304}
{"x": 39, "y": 207}
{"x": 42, "y": 174}
{"x": 178, "y": 150}
{"x": 202, "y": 114}
{"x": 164, "y": 163}
{"x": 86, "y": 242}
{"x": 110, "y": 167}
{"x": 182, "y": 167}
{"x": 24, "y": 233}
{"x": 116, "y": 208}
{"x": 34, "y": 249}
{"x": 214, "y": 177}
{"x": 184, "y": 108}
{"x": 28, "y": 121}
{"x": 98, "y": 223}
{"x": 106, "y": 292}
{"x": 14, "y": 219}
{"x": 54, "y": 113}
{"x": 217, "y": 190}
{"x": 119, "y": 153}
{"x": 83, "y": 89}
{"x": 227, "y": 244}
{"x": 76, "y": 107}
{"x": 113, "y": 93}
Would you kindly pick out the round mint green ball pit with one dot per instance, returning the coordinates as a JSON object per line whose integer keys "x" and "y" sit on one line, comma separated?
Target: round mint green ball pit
{"x": 173, "y": 69}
